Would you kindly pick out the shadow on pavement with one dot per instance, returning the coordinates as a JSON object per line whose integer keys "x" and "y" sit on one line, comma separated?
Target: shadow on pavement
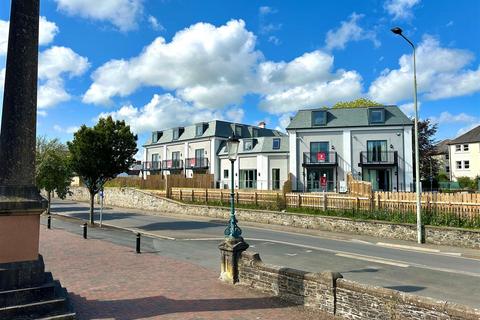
{"x": 139, "y": 308}
{"x": 406, "y": 288}
{"x": 361, "y": 270}
{"x": 178, "y": 225}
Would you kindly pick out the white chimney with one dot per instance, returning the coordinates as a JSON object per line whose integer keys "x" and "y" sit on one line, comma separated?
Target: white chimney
{"x": 262, "y": 125}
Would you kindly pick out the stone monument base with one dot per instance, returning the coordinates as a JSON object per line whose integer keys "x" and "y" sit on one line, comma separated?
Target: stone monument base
{"x": 230, "y": 250}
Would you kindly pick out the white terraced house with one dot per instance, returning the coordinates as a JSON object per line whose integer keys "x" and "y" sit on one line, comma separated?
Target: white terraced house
{"x": 465, "y": 155}
{"x": 372, "y": 143}
{"x": 196, "y": 148}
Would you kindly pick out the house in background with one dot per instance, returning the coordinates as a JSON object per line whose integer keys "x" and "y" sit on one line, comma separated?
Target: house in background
{"x": 442, "y": 156}
{"x": 194, "y": 149}
{"x": 262, "y": 163}
{"x": 465, "y": 155}
{"x": 373, "y": 143}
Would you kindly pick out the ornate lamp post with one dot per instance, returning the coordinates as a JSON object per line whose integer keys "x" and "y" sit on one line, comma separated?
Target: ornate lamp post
{"x": 233, "y": 245}
{"x": 420, "y": 235}
{"x": 232, "y": 230}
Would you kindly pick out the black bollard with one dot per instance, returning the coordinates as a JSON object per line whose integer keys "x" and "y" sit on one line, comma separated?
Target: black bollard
{"x": 85, "y": 230}
{"x": 138, "y": 242}
{"x": 49, "y": 222}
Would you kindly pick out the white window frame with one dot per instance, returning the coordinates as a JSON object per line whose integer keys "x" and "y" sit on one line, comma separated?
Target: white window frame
{"x": 458, "y": 164}
{"x": 465, "y": 147}
{"x": 458, "y": 147}
{"x": 466, "y": 164}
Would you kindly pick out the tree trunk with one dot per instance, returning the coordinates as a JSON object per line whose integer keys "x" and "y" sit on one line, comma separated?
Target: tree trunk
{"x": 49, "y": 195}
{"x": 92, "y": 197}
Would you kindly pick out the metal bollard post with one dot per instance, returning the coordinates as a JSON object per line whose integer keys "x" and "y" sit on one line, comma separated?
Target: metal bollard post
{"x": 138, "y": 243}
{"x": 49, "y": 222}
{"x": 85, "y": 230}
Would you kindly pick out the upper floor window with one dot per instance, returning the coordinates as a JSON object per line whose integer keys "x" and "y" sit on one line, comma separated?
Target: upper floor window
{"x": 199, "y": 129}
{"x": 254, "y": 132}
{"x": 247, "y": 145}
{"x": 458, "y": 147}
{"x": 319, "y": 118}
{"x": 238, "y": 131}
{"x": 377, "y": 115}
{"x": 466, "y": 164}
{"x": 447, "y": 156}
{"x": 176, "y": 133}
{"x": 447, "y": 169}
{"x": 276, "y": 144}
{"x": 459, "y": 164}
{"x": 225, "y": 174}
{"x": 465, "y": 147}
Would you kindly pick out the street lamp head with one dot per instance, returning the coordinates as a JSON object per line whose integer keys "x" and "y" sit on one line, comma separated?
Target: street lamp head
{"x": 232, "y": 147}
{"x": 397, "y": 30}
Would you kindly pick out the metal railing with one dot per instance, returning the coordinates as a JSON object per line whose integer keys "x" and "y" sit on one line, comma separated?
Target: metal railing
{"x": 197, "y": 163}
{"x": 320, "y": 158}
{"x": 172, "y": 164}
{"x": 152, "y": 165}
{"x": 382, "y": 157}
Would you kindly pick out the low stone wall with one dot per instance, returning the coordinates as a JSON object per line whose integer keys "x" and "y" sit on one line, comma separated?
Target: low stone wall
{"x": 328, "y": 292}
{"x": 138, "y": 199}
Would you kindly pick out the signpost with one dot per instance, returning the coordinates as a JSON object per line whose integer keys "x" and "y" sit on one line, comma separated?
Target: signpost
{"x": 101, "y": 206}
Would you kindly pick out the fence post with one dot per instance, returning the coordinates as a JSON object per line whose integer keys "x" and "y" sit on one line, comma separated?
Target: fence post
{"x": 181, "y": 195}
{"x": 238, "y": 198}
{"x": 358, "y": 204}
{"x": 221, "y": 197}
{"x": 299, "y": 201}
{"x": 256, "y": 198}
{"x": 324, "y": 201}
{"x": 206, "y": 195}
{"x": 193, "y": 195}
{"x": 379, "y": 206}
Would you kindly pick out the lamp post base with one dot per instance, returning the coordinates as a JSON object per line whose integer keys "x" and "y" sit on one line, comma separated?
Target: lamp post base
{"x": 230, "y": 251}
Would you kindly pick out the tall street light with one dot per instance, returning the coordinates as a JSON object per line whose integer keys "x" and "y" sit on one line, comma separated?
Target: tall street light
{"x": 232, "y": 230}
{"x": 233, "y": 245}
{"x": 420, "y": 237}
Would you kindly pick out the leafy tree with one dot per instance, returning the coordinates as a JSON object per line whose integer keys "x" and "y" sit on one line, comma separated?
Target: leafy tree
{"x": 53, "y": 172}
{"x": 358, "y": 103}
{"x": 468, "y": 183}
{"x": 100, "y": 153}
{"x": 429, "y": 166}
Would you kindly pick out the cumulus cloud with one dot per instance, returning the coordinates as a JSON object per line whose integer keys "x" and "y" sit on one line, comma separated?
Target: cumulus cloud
{"x": 70, "y": 129}
{"x": 409, "y": 108}
{"x": 447, "y": 117}
{"x": 349, "y": 31}
{"x": 307, "y": 81}
{"x": 47, "y": 32}
{"x": 400, "y": 9}
{"x": 55, "y": 64}
{"x": 441, "y": 73}
{"x": 123, "y": 14}
{"x": 166, "y": 111}
{"x": 206, "y": 65}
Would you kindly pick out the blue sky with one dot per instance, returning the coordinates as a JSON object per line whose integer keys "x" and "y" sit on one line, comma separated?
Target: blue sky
{"x": 159, "y": 64}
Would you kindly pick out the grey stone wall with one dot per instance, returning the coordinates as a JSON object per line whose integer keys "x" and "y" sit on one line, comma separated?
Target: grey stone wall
{"x": 138, "y": 199}
{"x": 328, "y": 292}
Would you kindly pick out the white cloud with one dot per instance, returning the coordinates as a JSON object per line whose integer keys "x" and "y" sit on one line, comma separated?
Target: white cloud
{"x": 2, "y": 80}
{"x": 157, "y": 26}
{"x": 166, "y": 111}
{"x": 349, "y": 31}
{"x": 70, "y": 129}
{"x": 400, "y": 9}
{"x": 47, "y": 32}
{"x": 264, "y": 10}
{"x": 307, "y": 81}
{"x": 441, "y": 73}
{"x": 207, "y": 65}
{"x": 123, "y": 14}
{"x": 409, "y": 108}
{"x": 468, "y": 128}
{"x": 284, "y": 121}
{"x": 274, "y": 40}
{"x": 54, "y": 64}
{"x": 447, "y": 117}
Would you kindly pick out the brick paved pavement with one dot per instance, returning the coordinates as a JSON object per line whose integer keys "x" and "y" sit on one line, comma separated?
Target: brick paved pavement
{"x": 107, "y": 281}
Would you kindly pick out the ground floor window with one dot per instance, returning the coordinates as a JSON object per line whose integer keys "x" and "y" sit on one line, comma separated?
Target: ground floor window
{"x": 313, "y": 179}
{"x": 248, "y": 179}
{"x": 381, "y": 179}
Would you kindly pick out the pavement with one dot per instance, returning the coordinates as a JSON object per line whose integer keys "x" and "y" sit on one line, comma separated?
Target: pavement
{"x": 441, "y": 272}
{"x": 110, "y": 281}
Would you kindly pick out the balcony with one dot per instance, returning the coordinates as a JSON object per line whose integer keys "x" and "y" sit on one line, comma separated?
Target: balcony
{"x": 316, "y": 159}
{"x": 176, "y": 164}
{"x": 378, "y": 159}
{"x": 197, "y": 163}
{"x": 152, "y": 166}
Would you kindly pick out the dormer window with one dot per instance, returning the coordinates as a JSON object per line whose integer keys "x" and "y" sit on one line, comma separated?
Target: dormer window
{"x": 247, "y": 145}
{"x": 319, "y": 118}
{"x": 156, "y": 135}
{"x": 200, "y": 129}
{"x": 276, "y": 144}
{"x": 376, "y": 115}
{"x": 177, "y": 132}
{"x": 254, "y": 132}
{"x": 238, "y": 131}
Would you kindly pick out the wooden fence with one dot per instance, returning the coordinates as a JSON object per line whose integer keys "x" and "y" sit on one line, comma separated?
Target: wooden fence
{"x": 153, "y": 182}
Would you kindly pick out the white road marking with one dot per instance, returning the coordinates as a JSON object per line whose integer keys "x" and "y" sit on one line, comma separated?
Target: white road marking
{"x": 373, "y": 259}
{"x": 401, "y": 246}
{"x": 308, "y": 251}
{"x": 291, "y": 254}
{"x": 361, "y": 241}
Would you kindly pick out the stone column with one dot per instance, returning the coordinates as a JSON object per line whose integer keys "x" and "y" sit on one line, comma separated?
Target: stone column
{"x": 230, "y": 251}
{"x": 20, "y": 201}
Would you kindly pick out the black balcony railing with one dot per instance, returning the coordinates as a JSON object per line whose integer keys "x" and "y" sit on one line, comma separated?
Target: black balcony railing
{"x": 175, "y": 164}
{"x": 320, "y": 158}
{"x": 196, "y": 163}
{"x": 152, "y": 165}
{"x": 378, "y": 157}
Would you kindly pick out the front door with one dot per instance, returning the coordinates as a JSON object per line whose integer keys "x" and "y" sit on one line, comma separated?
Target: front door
{"x": 313, "y": 179}
{"x": 380, "y": 179}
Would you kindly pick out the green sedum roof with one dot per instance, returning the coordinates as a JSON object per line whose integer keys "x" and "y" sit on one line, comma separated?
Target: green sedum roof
{"x": 349, "y": 117}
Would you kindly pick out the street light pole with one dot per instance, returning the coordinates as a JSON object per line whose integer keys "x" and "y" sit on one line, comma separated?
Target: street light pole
{"x": 232, "y": 230}
{"x": 420, "y": 238}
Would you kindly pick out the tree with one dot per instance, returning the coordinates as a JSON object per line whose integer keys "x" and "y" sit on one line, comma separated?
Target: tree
{"x": 100, "y": 153}
{"x": 53, "y": 172}
{"x": 358, "y": 103}
{"x": 429, "y": 166}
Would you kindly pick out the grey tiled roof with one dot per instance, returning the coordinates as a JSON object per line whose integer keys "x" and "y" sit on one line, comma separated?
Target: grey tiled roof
{"x": 261, "y": 145}
{"x": 349, "y": 117}
{"x": 215, "y": 128}
{"x": 442, "y": 147}
{"x": 469, "y": 137}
